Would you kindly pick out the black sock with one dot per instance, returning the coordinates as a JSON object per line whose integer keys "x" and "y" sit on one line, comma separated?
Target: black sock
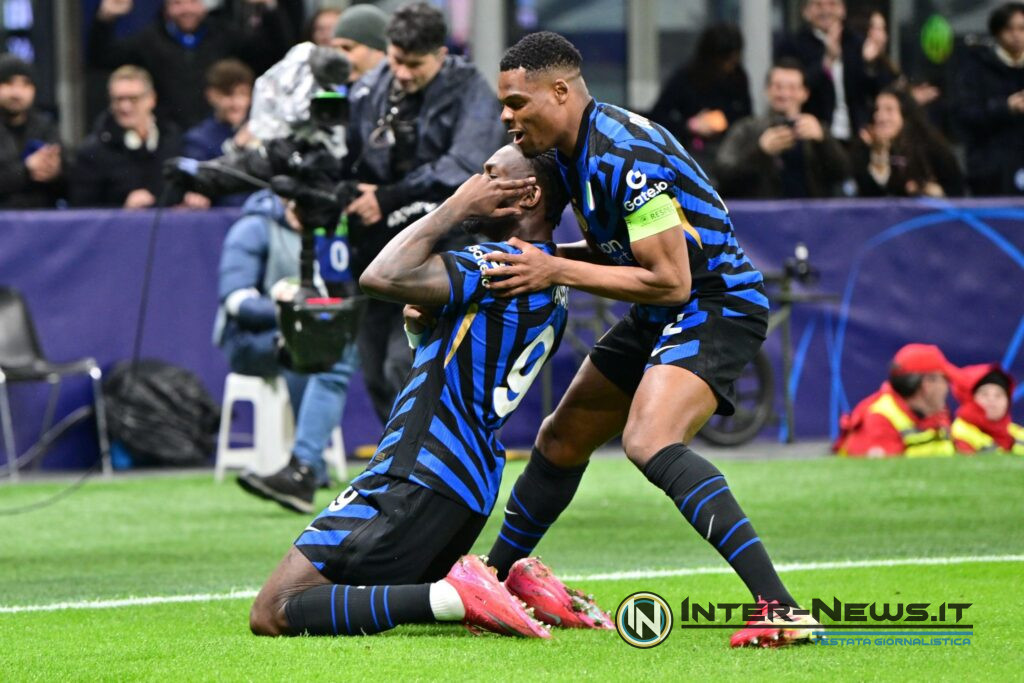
{"x": 335, "y": 610}
{"x": 538, "y": 497}
{"x": 701, "y": 493}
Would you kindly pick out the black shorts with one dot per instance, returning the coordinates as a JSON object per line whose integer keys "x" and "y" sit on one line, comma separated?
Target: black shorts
{"x": 389, "y": 532}
{"x": 713, "y": 346}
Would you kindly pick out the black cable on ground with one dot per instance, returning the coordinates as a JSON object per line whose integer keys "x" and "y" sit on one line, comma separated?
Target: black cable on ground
{"x": 46, "y": 502}
{"x": 47, "y": 440}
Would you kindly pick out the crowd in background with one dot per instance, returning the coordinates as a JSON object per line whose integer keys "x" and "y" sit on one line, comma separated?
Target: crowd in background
{"x": 840, "y": 118}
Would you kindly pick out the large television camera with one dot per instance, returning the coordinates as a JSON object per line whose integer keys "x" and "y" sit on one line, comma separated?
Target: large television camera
{"x": 298, "y": 117}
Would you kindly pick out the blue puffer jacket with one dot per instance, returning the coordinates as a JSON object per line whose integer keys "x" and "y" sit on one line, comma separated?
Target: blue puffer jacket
{"x": 259, "y": 250}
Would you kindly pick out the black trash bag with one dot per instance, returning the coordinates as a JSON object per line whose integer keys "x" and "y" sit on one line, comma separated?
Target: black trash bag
{"x": 161, "y": 413}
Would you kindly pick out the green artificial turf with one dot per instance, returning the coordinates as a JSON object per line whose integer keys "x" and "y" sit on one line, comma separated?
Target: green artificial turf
{"x": 185, "y": 535}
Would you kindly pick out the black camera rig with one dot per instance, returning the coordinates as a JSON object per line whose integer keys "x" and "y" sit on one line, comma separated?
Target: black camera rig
{"x": 304, "y": 168}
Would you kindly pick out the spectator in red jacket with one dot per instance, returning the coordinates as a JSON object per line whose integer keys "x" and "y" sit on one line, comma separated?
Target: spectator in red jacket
{"x": 983, "y": 422}
{"x": 907, "y": 415}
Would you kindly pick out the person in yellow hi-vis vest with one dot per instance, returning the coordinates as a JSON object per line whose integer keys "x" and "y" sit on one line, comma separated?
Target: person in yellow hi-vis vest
{"x": 908, "y": 414}
{"x": 983, "y": 423}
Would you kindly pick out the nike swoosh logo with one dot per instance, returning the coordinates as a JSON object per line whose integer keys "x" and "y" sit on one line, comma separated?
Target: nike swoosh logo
{"x": 509, "y": 512}
{"x": 664, "y": 348}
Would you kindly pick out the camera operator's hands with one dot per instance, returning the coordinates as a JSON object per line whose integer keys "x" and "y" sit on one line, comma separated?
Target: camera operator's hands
{"x": 483, "y": 195}
{"x": 285, "y": 289}
{"x": 365, "y": 205}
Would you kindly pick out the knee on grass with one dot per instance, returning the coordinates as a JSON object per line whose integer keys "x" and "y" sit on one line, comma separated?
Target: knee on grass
{"x": 268, "y": 619}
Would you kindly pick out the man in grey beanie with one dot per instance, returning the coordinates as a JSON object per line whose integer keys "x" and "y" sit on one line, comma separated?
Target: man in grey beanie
{"x": 360, "y": 35}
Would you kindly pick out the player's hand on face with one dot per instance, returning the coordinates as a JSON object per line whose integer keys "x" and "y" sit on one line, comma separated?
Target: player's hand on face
{"x": 418, "y": 318}
{"x": 482, "y": 195}
{"x": 530, "y": 271}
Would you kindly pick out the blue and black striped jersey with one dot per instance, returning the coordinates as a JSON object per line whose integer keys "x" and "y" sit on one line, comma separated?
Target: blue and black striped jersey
{"x": 469, "y": 373}
{"x": 622, "y": 162}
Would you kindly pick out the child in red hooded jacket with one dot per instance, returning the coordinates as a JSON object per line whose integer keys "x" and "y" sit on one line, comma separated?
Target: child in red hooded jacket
{"x": 983, "y": 423}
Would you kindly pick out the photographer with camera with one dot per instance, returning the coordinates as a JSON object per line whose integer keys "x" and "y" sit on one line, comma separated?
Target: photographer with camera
{"x": 268, "y": 326}
{"x": 782, "y": 153}
{"x": 419, "y": 126}
{"x": 259, "y": 266}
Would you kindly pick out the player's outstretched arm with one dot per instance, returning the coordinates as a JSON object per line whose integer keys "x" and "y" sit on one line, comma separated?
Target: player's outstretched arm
{"x": 662, "y": 276}
{"x": 407, "y": 271}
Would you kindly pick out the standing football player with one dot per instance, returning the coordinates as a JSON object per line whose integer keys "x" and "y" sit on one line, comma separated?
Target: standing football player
{"x": 380, "y": 554}
{"x": 657, "y": 235}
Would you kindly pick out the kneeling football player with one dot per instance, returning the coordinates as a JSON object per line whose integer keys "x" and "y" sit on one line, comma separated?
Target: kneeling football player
{"x": 382, "y": 553}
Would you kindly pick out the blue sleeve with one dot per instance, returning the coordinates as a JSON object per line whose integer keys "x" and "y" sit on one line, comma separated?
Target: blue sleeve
{"x": 243, "y": 257}
{"x": 242, "y": 263}
{"x": 467, "y": 272}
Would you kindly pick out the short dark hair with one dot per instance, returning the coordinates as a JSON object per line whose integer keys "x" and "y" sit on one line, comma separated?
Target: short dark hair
{"x": 541, "y": 51}
{"x": 905, "y": 384}
{"x": 417, "y": 28}
{"x": 549, "y": 179}
{"x": 1000, "y": 17}
{"x": 226, "y": 74}
{"x": 787, "y": 63}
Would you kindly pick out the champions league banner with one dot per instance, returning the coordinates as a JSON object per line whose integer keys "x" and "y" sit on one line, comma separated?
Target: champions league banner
{"x": 939, "y": 272}
{"x": 943, "y": 272}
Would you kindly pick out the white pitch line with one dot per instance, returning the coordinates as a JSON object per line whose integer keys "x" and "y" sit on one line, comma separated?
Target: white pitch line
{"x": 130, "y": 602}
{"x": 798, "y": 567}
{"x": 610, "y": 576}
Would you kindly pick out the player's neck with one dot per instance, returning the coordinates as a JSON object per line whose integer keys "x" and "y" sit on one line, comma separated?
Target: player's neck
{"x": 567, "y": 145}
{"x": 532, "y": 231}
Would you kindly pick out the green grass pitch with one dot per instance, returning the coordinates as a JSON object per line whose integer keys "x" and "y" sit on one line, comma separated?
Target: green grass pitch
{"x": 185, "y": 535}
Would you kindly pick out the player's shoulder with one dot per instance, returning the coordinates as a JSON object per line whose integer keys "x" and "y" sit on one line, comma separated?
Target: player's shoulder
{"x": 623, "y": 132}
{"x": 621, "y": 139}
{"x": 477, "y": 252}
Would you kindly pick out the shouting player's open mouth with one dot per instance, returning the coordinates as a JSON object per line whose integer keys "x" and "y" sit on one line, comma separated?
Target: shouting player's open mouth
{"x": 517, "y": 135}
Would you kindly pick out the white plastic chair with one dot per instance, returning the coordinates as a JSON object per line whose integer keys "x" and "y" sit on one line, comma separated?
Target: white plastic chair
{"x": 273, "y": 429}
